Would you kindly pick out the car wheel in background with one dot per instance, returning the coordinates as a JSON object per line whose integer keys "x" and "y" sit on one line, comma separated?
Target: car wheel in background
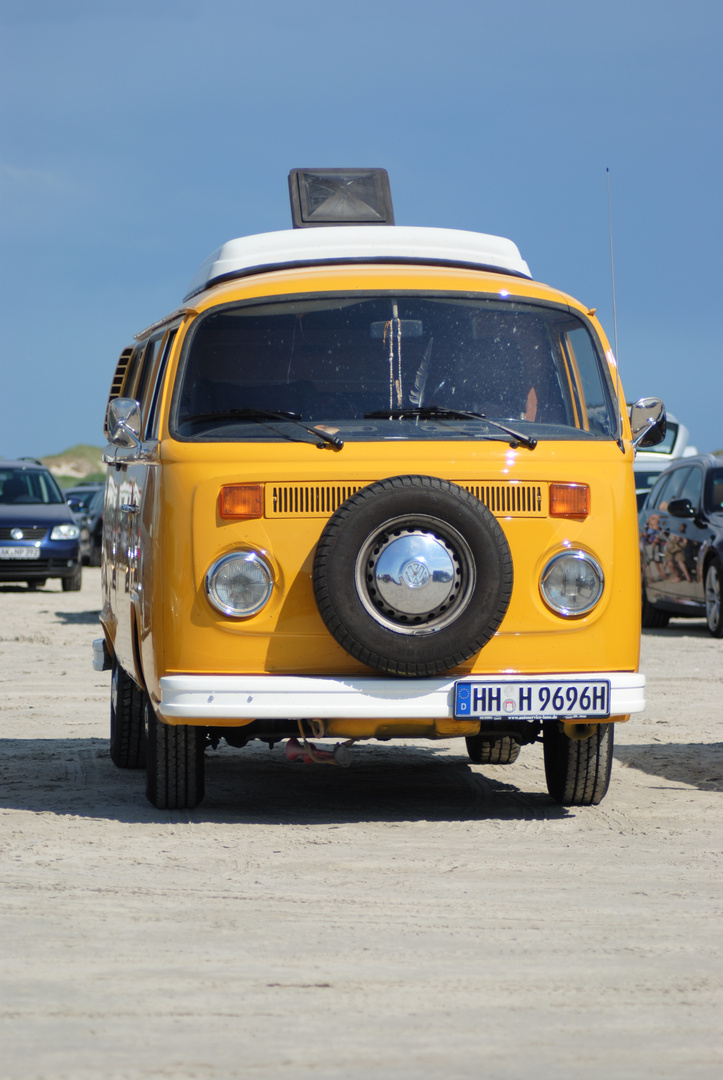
{"x": 95, "y": 551}
{"x": 74, "y": 583}
{"x": 652, "y": 619}
{"x": 713, "y": 576}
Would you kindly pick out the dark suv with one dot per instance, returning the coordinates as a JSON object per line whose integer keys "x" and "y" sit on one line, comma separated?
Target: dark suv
{"x": 681, "y": 544}
{"x": 39, "y": 537}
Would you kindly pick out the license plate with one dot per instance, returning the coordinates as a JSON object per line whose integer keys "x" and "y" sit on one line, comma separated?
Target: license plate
{"x": 19, "y": 553}
{"x": 532, "y": 700}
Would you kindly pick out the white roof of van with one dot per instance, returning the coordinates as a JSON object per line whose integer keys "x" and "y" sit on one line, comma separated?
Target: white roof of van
{"x": 358, "y": 243}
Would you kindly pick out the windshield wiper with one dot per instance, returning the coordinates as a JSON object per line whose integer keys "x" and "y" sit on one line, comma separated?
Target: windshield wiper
{"x": 438, "y": 412}
{"x": 259, "y": 415}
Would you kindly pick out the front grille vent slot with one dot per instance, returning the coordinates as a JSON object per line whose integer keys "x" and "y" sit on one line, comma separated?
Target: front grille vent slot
{"x": 321, "y": 500}
{"x": 509, "y": 499}
{"x": 308, "y": 500}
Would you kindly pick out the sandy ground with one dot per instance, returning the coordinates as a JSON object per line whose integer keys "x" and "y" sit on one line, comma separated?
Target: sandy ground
{"x": 413, "y": 916}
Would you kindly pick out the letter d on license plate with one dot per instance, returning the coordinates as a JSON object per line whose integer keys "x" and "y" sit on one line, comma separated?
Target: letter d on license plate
{"x": 532, "y": 700}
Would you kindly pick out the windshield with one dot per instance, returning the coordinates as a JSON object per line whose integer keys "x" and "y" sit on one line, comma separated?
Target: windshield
{"x": 351, "y": 362}
{"x": 28, "y": 486}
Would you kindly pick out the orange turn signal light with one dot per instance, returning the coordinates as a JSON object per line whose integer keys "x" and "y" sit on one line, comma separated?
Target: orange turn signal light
{"x": 237, "y": 501}
{"x": 569, "y": 500}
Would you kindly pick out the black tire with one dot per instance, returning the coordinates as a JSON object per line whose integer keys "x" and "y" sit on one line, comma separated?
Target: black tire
{"x": 578, "y": 770}
{"x": 503, "y": 751}
{"x": 127, "y": 724}
{"x": 713, "y": 582}
{"x": 652, "y": 618}
{"x": 174, "y": 763}
{"x": 469, "y": 596}
{"x": 74, "y": 583}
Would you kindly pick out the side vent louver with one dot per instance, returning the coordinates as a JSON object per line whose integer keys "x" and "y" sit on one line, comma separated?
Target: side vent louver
{"x": 117, "y": 385}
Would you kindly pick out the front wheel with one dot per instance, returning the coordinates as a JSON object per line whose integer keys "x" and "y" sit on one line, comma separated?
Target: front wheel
{"x": 713, "y": 576}
{"x": 174, "y": 762}
{"x": 577, "y": 770}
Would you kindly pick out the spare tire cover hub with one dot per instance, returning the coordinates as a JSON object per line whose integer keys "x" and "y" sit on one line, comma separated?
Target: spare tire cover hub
{"x": 414, "y": 579}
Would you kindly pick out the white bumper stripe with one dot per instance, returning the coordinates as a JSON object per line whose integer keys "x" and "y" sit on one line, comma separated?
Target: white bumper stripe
{"x": 267, "y": 697}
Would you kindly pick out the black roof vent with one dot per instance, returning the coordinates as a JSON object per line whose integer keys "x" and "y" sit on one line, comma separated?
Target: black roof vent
{"x": 321, "y": 197}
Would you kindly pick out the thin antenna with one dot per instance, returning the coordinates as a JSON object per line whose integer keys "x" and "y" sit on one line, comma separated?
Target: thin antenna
{"x": 615, "y": 323}
{"x": 612, "y": 269}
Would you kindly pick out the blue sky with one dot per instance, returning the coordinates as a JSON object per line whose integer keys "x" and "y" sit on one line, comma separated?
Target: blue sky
{"x": 135, "y": 137}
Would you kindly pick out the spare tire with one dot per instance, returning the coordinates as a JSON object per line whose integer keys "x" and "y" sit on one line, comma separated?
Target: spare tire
{"x": 412, "y": 575}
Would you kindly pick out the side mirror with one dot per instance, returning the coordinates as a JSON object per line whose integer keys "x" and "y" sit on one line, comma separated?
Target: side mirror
{"x": 681, "y": 508}
{"x": 124, "y": 422}
{"x": 647, "y": 421}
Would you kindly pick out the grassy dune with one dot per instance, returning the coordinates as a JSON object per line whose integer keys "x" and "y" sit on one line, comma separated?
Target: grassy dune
{"x": 77, "y": 465}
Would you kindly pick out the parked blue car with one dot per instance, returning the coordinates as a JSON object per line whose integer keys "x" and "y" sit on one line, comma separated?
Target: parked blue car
{"x": 39, "y": 536}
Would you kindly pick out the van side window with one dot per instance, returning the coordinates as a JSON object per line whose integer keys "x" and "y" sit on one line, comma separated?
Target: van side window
{"x": 146, "y": 377}
{"x": 131, "y": 379}
{"x": 146, "y": 367}
{"x": 151, "y": 428}
{"x": 155, "y": 393}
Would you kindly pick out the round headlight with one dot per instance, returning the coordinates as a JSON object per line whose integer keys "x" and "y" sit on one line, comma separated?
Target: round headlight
{"x": 572, "y": 583}
{"x": 239, "y": 584}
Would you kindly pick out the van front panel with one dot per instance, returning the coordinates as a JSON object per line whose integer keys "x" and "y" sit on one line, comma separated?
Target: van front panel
{"x": 288, "y": 635}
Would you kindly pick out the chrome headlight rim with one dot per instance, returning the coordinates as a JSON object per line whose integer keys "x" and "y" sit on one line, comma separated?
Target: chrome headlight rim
{"x": 574, "y": 554}
{"x": 244, "y": 556}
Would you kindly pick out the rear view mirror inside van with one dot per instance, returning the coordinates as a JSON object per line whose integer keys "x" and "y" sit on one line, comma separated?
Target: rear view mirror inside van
{"x": 406, "y": 328}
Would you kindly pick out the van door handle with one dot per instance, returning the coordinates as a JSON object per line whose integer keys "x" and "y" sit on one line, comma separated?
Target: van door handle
{"x": 129, "y": 508}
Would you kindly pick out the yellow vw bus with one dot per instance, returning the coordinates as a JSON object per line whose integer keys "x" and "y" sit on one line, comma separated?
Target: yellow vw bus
{"x": 370, "y": 482}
